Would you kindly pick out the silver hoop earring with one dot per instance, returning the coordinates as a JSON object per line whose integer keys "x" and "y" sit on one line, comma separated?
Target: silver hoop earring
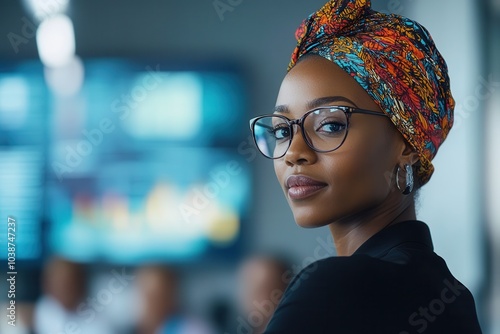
{"x": 409, "y": 180}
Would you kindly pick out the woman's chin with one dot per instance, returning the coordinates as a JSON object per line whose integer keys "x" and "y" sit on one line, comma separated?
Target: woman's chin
{"x": 312, "y": 216}
{"x": 307, "y": 222}
{"x": 306, "y": 225}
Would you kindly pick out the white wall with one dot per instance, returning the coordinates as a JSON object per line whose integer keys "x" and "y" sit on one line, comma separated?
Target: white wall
{"x": 450, "y": 203}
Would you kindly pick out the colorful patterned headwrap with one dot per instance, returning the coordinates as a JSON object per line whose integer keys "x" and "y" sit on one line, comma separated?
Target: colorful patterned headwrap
{"x": 396, "y": 62}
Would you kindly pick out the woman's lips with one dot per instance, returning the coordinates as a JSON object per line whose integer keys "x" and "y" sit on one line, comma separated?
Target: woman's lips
{"x": 300, "y": 186}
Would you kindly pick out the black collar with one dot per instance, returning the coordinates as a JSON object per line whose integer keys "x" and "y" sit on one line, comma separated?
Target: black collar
{"x": 408, "y": 232}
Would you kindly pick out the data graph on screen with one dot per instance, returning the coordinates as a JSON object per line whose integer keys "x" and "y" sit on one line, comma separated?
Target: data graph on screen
{"x": 140, "y": 164}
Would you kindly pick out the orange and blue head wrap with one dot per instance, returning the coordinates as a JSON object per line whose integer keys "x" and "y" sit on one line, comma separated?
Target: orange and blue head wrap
{"x": 396, "y": 62}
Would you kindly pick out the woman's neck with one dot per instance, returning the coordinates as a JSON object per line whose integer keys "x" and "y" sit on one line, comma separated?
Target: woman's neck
{"x": 350, "y": 233}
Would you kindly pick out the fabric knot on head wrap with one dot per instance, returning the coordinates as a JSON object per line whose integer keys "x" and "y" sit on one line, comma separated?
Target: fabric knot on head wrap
{"x": 396, "y": 62}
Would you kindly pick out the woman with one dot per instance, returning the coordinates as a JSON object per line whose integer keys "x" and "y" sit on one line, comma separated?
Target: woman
{"x": 360, "y": 115}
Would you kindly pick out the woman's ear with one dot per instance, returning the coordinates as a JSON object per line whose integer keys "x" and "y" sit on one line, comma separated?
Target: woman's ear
{"x": 408, "y": 155}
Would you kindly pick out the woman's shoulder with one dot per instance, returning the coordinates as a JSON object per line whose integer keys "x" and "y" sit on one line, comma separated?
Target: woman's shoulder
{"x": 358, "y": 274}
{"x": 355, "y": 264}
{"x": 362, "y": 294}
{"x": 359, "y": 290}
{"x": 330, "y": 271}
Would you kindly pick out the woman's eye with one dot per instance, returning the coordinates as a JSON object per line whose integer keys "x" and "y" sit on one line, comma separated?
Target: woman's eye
{"x": 331, "y": 127}
{"x": 281, "y": 132}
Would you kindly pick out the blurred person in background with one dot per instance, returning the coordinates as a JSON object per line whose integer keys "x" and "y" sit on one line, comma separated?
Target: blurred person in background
{"x": 262, "y": 281}
{"x": 159, "y": 307}
{"x": 64, "y": 306}
{"x": 23, "y": 321}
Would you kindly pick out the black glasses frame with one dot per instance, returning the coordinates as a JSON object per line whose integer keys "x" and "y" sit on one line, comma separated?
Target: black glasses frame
{"x": 348, "y": 111}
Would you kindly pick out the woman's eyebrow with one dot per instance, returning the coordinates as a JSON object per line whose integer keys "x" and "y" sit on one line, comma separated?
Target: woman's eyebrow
{"x": 321, "y": 101}
{"x": 283, "y": 109}
{"x": 327, "y": 100}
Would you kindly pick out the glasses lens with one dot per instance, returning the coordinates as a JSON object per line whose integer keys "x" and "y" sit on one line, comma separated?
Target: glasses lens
{"x": 272, "y": 135}
{"x": 326, "y": 128}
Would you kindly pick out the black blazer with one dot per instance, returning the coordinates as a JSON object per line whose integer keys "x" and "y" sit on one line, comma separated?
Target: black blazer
{"x": 393, "y": 284}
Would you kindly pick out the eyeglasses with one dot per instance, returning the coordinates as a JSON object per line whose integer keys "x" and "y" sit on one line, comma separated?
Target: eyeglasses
{"x": 323, "y": 129}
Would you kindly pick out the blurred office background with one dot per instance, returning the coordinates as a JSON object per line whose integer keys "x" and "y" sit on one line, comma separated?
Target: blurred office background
{"x": 124, "y": 144}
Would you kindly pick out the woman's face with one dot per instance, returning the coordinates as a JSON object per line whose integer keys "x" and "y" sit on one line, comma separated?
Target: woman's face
{"x": 351, "y": 180}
